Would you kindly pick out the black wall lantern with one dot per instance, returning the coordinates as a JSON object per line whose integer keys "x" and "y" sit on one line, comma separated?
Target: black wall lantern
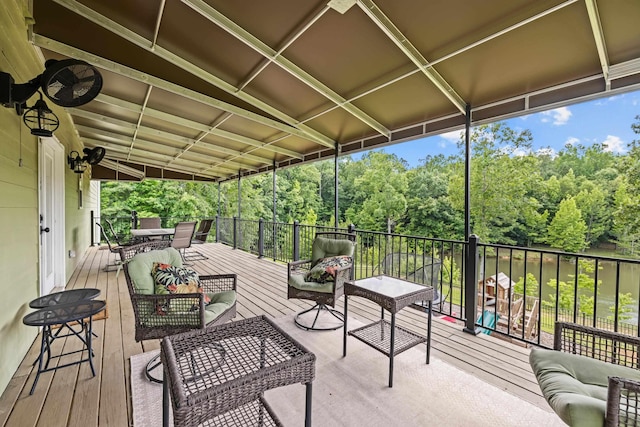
{"x": 92, "y": 156}
{"x": 68, "y": 83}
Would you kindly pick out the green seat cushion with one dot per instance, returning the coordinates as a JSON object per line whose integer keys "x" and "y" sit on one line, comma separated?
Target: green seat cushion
{"x": 140, "y": 267}
{"x": 220, "y": 302}
{"x": 576, "y": 386}
{"x": 297, "y": 280}
{"x": 325, "y": 248}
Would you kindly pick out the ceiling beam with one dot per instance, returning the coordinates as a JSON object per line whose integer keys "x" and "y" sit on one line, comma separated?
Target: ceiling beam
{"x": 598, "y": 35}
{"x": 112, "y": 26}
{"x": 123, "y": 70}
{"x": 145, "y": 130}
{"x": 168, "y": 158}
{"x": 263, "y": 49}
{"x": 170, "y": 118}
{"x": 389, "y": 28}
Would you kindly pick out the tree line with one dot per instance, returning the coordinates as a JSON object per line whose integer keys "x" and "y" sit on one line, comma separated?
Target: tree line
{"x": 571, "y": 200}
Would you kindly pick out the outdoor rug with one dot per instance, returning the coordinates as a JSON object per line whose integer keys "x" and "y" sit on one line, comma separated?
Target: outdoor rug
{"x": 353, "y": 391}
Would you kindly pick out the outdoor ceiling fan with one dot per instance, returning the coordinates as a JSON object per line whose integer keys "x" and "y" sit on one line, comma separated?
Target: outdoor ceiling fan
{"x": 92, "y": 156}
{"x": 68, "y": 83}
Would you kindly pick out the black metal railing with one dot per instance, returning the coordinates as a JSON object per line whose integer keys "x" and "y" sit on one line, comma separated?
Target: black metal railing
{"x": 513, "y": 291}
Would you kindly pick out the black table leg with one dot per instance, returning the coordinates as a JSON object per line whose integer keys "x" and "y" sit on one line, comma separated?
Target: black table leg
{"x": 344, "y": 329}
{"x": 429, "y": 332}
{"x": 89, "y": 331}
{"x": 392, "y": 347}
{"x": 43, "y": 344}
{"x": 307, "y": 409}
{"x": 165, "y": 402}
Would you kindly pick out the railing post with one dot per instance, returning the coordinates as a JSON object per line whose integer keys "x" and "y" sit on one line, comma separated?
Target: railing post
{"x": 471, "y": 285}
{"x": 217, "y": 228}
{"x": 296, "y": 240}
{"x": 260, "y": 238}
{"x": 92, "y": 229}
{"x": 134, "y": 219}
{"x": 351, "y": 229}
{"x": 235, "y": 230}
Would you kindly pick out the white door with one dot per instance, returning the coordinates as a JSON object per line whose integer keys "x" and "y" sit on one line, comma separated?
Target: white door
{"x": 51, "y": 195}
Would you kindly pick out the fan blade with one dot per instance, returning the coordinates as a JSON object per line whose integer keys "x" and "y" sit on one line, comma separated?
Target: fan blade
{"x": 65, "y": 94}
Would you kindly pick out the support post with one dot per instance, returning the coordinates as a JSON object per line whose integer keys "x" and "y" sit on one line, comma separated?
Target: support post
{"x": 260, "y": 238}
{"x": 217, "y": 228}
{"x": 92, "y": 229}
{"x": 134, "y": 219}
{"x": 235, "y": 232}
{"x": 471, "y": 285}
{"x": 296, "y": 240}
{"x": 218, "y": 198}
{"x": 467, "y": 173}
{"x": 335, "y": 183}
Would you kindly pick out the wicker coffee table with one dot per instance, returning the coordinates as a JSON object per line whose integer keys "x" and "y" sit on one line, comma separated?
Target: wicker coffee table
{"x": 218, "y": 376}
{"x": 392, "y": 295}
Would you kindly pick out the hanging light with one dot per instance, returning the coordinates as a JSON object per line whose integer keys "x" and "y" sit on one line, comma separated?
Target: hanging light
{"x": 40, "y": 119}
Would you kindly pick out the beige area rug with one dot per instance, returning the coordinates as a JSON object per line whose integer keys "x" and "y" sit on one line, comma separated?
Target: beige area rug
{"x": 353, "y": 391}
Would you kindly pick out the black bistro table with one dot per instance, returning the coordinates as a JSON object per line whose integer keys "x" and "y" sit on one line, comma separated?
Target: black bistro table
{"x": 65, "y": 297}
{"x": 64, "y": 314}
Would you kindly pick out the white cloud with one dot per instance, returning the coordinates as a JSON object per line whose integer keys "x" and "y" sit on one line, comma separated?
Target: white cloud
{"x": 521, "y": 152}
{"x": 614, "y": 144}
{"x": 547, "y": 151}
{"x": 572, "y": 140}
{"x": 453, "y": 136}
{"x": 560, "y": 116}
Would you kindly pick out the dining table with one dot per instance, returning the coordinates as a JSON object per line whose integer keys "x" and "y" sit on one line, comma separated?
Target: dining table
{"x": 145, "y": 234}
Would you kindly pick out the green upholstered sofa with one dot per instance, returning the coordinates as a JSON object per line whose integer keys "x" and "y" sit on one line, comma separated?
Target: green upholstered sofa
{"x": 591, "y": 378}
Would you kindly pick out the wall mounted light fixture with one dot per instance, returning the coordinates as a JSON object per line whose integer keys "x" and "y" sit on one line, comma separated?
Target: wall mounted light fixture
{"x": 40, "y": 119}
{"x": 92, "y": 156}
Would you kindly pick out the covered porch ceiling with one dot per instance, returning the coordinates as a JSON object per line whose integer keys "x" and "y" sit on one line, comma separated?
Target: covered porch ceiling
{"x": 212, "y": 89}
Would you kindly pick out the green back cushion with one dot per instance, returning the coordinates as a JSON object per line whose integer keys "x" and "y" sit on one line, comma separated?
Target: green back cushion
{"x": 576, "y": 386}
{"x": 325, "y": 248}
{"x": 141, "y": 266}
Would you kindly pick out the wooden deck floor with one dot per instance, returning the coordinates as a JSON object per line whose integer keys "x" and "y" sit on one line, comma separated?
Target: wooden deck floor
{"x": 71, "y": 397}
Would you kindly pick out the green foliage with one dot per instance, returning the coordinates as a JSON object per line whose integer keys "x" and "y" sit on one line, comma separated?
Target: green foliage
{"x": 625, "y": 307}
{"x": 583, "y": 285}
{"x": 567, "y": 230}
{"x": 532, "y": 285}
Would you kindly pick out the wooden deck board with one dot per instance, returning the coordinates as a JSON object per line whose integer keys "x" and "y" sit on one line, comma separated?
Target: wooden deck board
{"x": 106, "y": 399}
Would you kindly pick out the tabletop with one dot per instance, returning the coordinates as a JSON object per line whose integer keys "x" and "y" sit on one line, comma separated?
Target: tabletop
{"x": 150, "y": 232}
{"x": 65, "y": 297}
{"x": 241, "y": 358}
{"x": 64, "y": 313}
{"x": 391, "y": 293}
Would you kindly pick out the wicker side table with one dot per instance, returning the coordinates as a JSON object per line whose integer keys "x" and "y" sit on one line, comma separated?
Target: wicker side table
{"x": 392, "y": 295}
{"x": 218, "y": 376}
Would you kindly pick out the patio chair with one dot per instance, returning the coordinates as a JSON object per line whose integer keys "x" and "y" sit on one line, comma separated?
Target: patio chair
{"x": 592, "y": 376}
{"x": 158, "y": 312}
{"x": 321, "y": 279}
{"x": 182, "y": 237}
{"x": 154, "y": 222}
{"x": 119, "y": 241}
{"x": 114, "y": 249}
{"x": 199, "y": 238}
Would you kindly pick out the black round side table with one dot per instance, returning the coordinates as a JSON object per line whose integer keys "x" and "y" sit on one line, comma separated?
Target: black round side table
{"x": 63, "y": 314}
{"x": 65, "y": 297}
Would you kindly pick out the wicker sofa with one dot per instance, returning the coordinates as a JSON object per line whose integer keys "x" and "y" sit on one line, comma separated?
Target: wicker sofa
{"x": 592, "y": 376}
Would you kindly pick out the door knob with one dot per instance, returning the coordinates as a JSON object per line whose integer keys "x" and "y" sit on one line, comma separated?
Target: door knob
{"x": 44, "y": 230}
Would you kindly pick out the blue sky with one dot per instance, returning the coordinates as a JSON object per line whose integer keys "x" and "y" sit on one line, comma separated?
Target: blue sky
{"x": 606, "y": 120}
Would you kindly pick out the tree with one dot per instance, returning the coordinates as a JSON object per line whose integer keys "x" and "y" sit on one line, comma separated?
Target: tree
{"x": 594, "y": 209}
{"x": 585, "y": 289}
{"x": 500, "y": 180}
{"x": 567, "y": 230}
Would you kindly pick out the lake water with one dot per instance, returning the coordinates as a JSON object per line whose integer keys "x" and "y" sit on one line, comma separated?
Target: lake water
{"x": 628, "y": 272}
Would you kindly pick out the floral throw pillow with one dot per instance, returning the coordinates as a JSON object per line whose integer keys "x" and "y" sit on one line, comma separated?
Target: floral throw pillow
{"x": 325, "y": 269}
{"x": 170, "y": 279}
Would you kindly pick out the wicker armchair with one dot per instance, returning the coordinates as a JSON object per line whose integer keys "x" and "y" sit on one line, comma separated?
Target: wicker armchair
{"x": 181, "y": 312}
{"x": 325, "y": 295}
{"x": 592, "y": 377}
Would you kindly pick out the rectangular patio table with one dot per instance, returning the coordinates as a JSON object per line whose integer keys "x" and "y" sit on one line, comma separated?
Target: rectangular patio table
{"x": 392, "y": 295}
{"x": 146, "y": 233}
{"x": 218, "y": 376}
